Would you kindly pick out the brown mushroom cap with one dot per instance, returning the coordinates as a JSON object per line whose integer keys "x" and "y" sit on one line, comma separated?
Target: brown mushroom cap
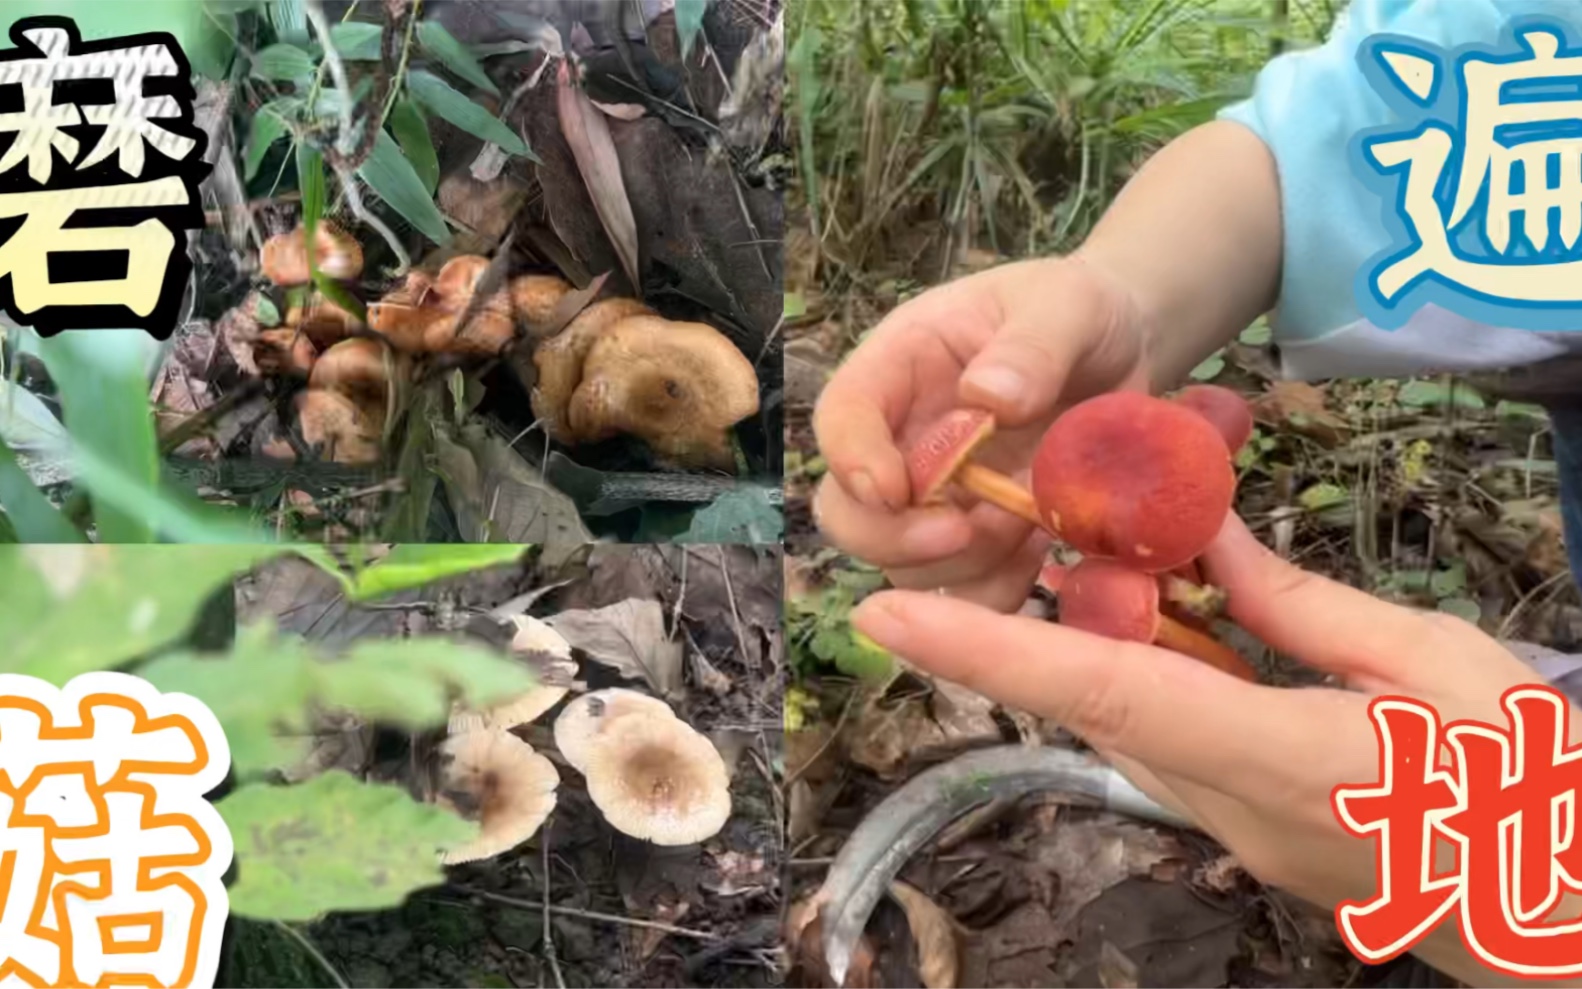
{"x": 677, "y": 386}
{"x": 934, "y": 459}
{"x": 498, "y": 779}
{"x": 585, "y": 719}
{"x": 657, "y": 779}
{"x": 284, "y": 258}
{"x": 422, "y": 315}
{"x": 284, "y": 351}
{"x": 322, "y": 319}
{"x": 343, "y": 430}
{"x": 534, "y": 297}
{"x": 559, "y": 362}
{"x": 355, "y": 368}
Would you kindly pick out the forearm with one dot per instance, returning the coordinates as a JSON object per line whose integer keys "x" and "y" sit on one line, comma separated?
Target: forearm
{"x": 1195, "y": 238}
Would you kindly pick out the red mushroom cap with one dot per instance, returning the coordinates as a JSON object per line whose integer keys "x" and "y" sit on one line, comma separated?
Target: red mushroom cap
{"x": 1227, "y": 410}
{"x": 1134, "y": 478}
{"x": 935, "y": 457}
{"x": 1112, "y": 600}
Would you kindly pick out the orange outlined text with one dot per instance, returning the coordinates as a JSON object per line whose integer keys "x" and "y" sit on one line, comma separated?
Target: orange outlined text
{"x": 112, "y": 860}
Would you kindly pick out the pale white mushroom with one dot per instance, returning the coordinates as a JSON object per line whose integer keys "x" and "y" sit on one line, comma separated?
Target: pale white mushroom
{"x": 497, "y": 779}
{"x": 587, "y": 717}
{"x": 657, "y": 779}
{"x": 550, "y": 654}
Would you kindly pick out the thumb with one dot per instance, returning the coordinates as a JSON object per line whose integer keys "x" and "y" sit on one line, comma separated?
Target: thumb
{"x": 1057, "y": 319}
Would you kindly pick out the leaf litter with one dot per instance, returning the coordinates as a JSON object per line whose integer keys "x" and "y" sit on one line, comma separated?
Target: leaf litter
{"x": 702, "y": 914}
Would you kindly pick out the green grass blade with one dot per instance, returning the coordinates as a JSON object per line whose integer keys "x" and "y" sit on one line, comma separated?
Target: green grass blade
{"x": 445, "y": 102}
{"x": 31, "y": 517}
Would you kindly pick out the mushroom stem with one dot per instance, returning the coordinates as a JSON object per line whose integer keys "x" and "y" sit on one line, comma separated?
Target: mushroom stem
{"x": 1203, "y": 647}
{"x": 997, "y": 489}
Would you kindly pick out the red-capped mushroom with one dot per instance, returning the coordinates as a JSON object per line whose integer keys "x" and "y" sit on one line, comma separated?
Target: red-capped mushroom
{"x": 1224, "y": 408}
{"x": 1106, "y": 598}
{"x": 1134, "y": 478}
{"x": 944, "y": 455}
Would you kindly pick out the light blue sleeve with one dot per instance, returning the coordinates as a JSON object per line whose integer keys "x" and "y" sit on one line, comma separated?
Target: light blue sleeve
{"x": 1308, "y": 105}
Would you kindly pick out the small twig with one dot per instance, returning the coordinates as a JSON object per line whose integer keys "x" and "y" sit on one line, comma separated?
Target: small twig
{"x": 189, "y": 427}
{"x": 730, "y": 595}
{"x": 549, "y": 938}
{"x": 608, "y": 918}
{"x": 797, "y": 773}
{"x": 318, "y": 956}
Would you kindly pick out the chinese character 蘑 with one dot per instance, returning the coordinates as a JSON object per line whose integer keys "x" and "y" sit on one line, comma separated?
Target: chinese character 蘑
{"x": 99, "y": 181}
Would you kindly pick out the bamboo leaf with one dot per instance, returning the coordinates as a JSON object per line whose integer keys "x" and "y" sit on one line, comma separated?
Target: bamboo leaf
{"x": 268, "y": 127}
{"x": 411, "y": 132}
{"x": 392, "y": 178}
{"x": 356, "y": 41}
{"x": 446, "y": 103}
{"x": 282, "y": 63}
{"x": 440, "y": 43}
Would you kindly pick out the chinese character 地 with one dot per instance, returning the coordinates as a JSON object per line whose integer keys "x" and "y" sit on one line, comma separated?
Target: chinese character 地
{"x": 99, "y": 238}
{"x": 1493, "y": 836}
{"x": 111, "y": 860}
{"x": 1508, "y": 149}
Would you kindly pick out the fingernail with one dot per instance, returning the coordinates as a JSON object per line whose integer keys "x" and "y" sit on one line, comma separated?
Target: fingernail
{"x": 866, "y": 491}
{"x": 936, "y": 536}
{"x": 1003, "y": 384}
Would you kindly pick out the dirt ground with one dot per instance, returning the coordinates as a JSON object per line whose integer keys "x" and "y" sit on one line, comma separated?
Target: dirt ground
{"x": 622, "y": 912}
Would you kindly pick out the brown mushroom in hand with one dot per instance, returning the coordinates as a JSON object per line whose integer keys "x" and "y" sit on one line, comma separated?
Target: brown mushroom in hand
{"x": 1112, "y": 600}
{"x": 679, "y": 387}
{"x": 588, "y": 717}
{"x": 657, "y": 779}
{"x": 943, "y": 455}
{"x": 558, "y": 362}
{"x": 539, "y": 643}
{"x": 284, "y": 258}
{"x": 496, "y": 778}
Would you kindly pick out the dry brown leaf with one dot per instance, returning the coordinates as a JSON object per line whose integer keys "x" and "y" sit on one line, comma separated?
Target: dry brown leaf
{"x": 1116, "y": 971}
{"x": 804, "y": 937}
{"x": 628, "y": 637}
{"x": 1301, "y": 407}
{"x": 587, "y": 133}
{"x": 1094, "y": 854}
{"x": 883, "y": 739}
{"x": 938, "y": 961}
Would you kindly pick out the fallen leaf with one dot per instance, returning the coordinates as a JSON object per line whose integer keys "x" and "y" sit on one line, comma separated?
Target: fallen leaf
{"x": 1093, "y": 854}
{"x": 884, "y": 739}
{"x": 1300, "y": 407}
{"x": 964, "y": 716}
{"x": 499, "y": 498}
{"x": 587, "y": 133}
{"x": 621, "y": 111}
{"x": 804, "y": 935}
{"x": 487, "y": 208}
{"x": 937, "y": 962}
{"x": 1116, "y": 971}
{"x": 628, "y": 637}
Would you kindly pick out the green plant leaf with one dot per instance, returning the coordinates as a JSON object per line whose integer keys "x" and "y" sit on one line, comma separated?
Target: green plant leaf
{"x": 391, "y": 177}
{"x": 853, "y": 653}
{"x": 794, "y": 306}
{"x": 440, "y": 43}
{"x": 1257, "y": 334}
{"x": 104, "y": 398}
{"x": 337, "y": 293}
{"x": 446, "y": 103}
{"x": 1323, "y": 495}
{"x": 413, "y": 565}
{"x": 289, "y": 18}
{"x": 689, "y": 23}
{"x": 310, "y": 181}
{"x": 1210, "y": 368}
{"x": 268, "y": 127}
{"x": 332, "y": 843}
{"x": 411, "y": 133}
{"x": 282, "y": 63}
{"x": 74, "y": 609}
{"x": 1425, "y": 394}
{"x": 1520, "y": 410}
{"x": 1464, "y": 608}
{"x": 1450, "y": 582}
{"x": 267, "y": 312}
{"x": 31, "y": 516}
{"x": 26, "y": 423}
{"x": 745, "y": 515}
{"x": 411, "y": 682}
{"x": 356, "y": 41}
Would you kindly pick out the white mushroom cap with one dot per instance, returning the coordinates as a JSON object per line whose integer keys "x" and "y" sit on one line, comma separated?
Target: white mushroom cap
{"x": 551, "y": 653}
{"x": 656, "y": 779}
{"x": 497, "y": 778}
{"x": 587, "y": 717}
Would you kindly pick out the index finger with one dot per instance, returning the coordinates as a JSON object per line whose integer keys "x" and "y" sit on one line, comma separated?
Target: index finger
{"x": 1173, "y": 713}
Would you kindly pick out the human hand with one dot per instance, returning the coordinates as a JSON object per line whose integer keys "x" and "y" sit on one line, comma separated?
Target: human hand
{"x": 1021, "y": 341}
{"x": 1252, "y": 765}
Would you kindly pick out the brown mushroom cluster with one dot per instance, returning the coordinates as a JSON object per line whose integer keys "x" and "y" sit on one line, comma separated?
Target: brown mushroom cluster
{"x": 1137, "y": 485}
{"x": 616, "y": 368}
